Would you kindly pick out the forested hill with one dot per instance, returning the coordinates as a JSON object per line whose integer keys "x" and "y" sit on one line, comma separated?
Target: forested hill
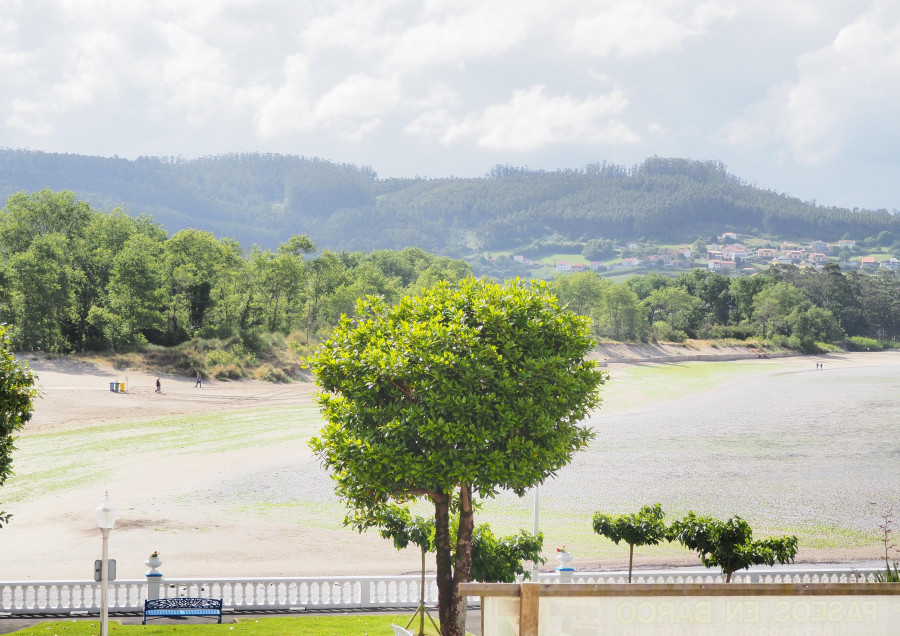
{"x": 265, "y": 198}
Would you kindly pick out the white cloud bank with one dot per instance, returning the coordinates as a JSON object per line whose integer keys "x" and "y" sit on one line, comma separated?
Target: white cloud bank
{"x": 796, "y": 84}
{"x": 843, "y": 92}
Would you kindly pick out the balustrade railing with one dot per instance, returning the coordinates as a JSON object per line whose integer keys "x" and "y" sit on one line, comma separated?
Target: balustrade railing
{"x": 239, "y": 594}
{"x": 338, "y": 592}
{"x": 836, "y": 575}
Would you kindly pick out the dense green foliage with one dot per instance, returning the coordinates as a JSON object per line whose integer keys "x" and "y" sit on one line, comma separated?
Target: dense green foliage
{"x": 458, "y": 392}
{"x": 729, "y": 544}
{"x": 793, "y": 306}
{"x": 266, "y": 198}
{"x": 494, "y": 559}
{"x": 72, "y": 278}
{"x": 645, "y": 527}
{"x": 17, "y": 395}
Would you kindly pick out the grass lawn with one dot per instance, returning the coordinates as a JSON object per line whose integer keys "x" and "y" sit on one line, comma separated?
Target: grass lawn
{"x": 324, "y": 625}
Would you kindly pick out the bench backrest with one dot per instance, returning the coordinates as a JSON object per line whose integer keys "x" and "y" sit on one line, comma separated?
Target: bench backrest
{"x": 183, "y": 602}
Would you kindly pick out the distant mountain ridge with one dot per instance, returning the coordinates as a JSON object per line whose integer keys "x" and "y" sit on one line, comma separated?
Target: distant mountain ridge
{"x": 265, "y": 198}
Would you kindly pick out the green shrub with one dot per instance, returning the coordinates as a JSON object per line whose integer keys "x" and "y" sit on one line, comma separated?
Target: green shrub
{"x": 788, "y": 342}
{"x": 663, "y": 331}
{"x": 273, "y": 374}
{"x": 227, "y": 372}
{"x": 735, "y": 332}
{"x": 221, "y": 357}
{"x": 858, "y": 343}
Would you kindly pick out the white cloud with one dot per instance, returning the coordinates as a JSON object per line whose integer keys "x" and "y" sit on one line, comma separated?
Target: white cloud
{"x": 460, "y": 34}
{"x": 353, "y": 107}
{"x": 643, "y": 27}
{"x": 287, "y": 108}
{"x": 531, "y": 120}
{"x": 850, "y": 87}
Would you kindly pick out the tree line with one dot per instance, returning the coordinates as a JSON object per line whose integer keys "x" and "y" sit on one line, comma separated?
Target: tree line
{"x": 73, "y": 278}
{"x": 796, "y": 307}
{"x": 267, "y": 198}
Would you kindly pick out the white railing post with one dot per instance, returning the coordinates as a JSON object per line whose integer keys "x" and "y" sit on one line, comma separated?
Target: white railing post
{"x": 154, "y": 577}
{"x": 563, "y": 569}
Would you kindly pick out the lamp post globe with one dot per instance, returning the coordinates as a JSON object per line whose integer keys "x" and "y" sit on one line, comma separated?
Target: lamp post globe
{"x": 106, "y": 519}
{"x": 106, "y": 513}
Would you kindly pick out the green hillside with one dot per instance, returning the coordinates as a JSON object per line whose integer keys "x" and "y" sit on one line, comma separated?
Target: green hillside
{"x": 266, "y": 198}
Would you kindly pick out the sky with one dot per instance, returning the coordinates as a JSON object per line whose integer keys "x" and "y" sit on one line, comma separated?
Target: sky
{"x": 797, "y": 96}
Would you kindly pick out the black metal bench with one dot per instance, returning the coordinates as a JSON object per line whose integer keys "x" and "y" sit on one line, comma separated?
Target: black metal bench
{"x": 181, "y": 606}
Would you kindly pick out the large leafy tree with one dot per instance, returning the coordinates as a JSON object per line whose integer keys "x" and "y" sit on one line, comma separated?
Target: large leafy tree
{"x": 773, "y": 305}
{"x": 41, "y": 294}
{"x": 645, "y": 527}
{"x": 620, "y": 316}
{"x": 17, "y": 393}
{"x": 729, "y": 544}
{"x": 135, "y": 293}
{"x": 459, "y": 392}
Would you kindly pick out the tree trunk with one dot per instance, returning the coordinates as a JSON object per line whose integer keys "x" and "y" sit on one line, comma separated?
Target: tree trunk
{"x": 448, "y": 596}
{"x": 630, "y": 559}
{"x": 463, "y": 570}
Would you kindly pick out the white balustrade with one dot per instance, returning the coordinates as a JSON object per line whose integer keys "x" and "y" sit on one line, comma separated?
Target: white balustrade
{"x": 339, "y": 592}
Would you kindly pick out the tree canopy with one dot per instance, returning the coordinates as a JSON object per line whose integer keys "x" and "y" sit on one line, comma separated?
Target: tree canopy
{"x": 17, "y": 395}
{"x": 645, "y": 527}
{"x": 729, "y": 544}
{"x": 73, "y": 278}
{"x": 461, "y": 391}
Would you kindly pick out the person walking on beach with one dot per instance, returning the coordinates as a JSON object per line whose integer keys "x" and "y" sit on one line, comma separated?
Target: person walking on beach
{"x": 199, "y": 381}
{"x": 158, "y": 386}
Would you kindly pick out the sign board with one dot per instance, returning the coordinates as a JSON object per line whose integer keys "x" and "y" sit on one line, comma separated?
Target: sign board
{"x": 757, "y": 609}
{"x": 720, "y": 615}
{"x": 110, "y": 570}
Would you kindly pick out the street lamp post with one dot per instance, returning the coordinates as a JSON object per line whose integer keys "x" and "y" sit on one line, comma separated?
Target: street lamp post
{"x": 106, "y": 519}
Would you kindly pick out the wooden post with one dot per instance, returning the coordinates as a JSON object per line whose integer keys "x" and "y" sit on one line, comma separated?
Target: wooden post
{"x": 529, "y": 604}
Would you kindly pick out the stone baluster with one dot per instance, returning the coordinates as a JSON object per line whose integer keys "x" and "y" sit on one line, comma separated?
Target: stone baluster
{"x": 563, "y": 569}
{"x": 154, "y": 577}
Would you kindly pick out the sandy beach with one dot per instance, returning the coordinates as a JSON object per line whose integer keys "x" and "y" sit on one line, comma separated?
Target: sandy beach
{"x": 250, "y": 500}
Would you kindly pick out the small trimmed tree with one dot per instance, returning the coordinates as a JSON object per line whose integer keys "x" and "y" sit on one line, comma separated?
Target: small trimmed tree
{"x": 729, "y": 544}
{"x": 646, "y": 527}
{"x": 17, "y": 394}
{"x": 461, "y": 391}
